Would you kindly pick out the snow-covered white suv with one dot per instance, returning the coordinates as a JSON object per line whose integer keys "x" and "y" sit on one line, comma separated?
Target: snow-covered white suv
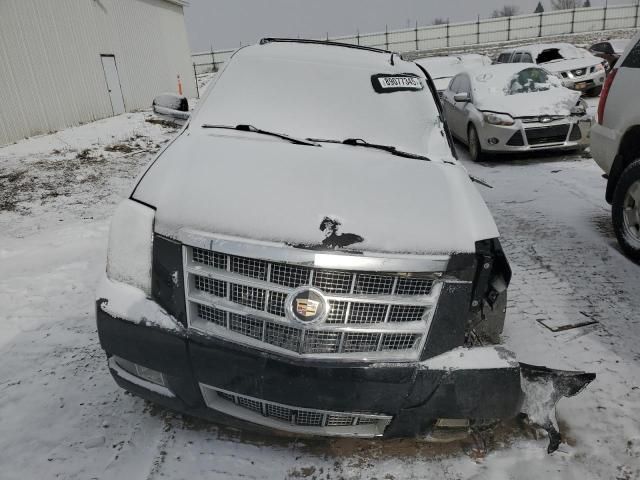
{"x": 615, "y": 145}
{"x": 578, "y": 69}
{"x": 308, "y": 256}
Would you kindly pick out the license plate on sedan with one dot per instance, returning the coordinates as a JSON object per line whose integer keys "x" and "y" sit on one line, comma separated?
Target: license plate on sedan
{"x": 581, "y": 85}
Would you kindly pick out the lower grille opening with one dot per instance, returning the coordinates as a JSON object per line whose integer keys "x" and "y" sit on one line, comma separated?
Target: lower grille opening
{"x": 517, "y": 140}
{"x": 576, "y": 134}
{"x": 291, "y": 418}
{"x": 543, "y": 135}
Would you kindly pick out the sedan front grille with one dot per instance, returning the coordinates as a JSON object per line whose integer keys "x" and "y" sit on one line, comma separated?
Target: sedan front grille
{"x": 544, "y": 135}
{"x": 294, "y": 419}
{"x": 368, "y": 314}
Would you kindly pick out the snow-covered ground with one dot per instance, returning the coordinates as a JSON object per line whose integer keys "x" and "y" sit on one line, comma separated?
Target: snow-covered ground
{"x": 62, "y": 416}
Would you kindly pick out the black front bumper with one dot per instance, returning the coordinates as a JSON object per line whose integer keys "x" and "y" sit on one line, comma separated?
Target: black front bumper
{"x": 414, "y": 394}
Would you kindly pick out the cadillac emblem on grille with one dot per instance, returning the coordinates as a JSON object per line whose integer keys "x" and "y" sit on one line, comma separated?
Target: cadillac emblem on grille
{"x": 308, "y": 305}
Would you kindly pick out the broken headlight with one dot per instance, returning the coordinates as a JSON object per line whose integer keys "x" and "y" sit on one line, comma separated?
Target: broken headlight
{"x": 579, "y": 109}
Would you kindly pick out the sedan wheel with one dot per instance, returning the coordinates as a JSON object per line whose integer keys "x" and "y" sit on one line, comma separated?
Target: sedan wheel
{"x": 626, "y": 211}
{"x": 475, "y": 149}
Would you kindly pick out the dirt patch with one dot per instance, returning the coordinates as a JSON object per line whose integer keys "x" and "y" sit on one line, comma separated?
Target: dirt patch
{"x": 164, "y": 123}
{"x": 119, "y": 147}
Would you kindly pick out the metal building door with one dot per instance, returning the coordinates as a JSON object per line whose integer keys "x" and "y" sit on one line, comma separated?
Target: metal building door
{"x": 113, "y": 83}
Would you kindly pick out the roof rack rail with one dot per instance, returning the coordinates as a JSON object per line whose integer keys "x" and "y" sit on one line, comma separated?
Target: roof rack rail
{"x": 266, "y": 40}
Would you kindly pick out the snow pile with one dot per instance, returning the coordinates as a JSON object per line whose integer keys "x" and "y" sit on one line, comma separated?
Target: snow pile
{"x": 131, "y": 304}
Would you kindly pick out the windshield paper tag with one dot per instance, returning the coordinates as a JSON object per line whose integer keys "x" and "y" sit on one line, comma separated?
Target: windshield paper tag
{"x": 384, "y": 83}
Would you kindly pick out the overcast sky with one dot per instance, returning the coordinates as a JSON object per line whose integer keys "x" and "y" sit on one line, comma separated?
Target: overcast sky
{"x": 226, "y": 23}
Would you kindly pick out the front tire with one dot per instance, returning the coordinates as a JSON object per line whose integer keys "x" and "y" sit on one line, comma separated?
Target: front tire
{"x": 626, "y": 211}
{"x": 475, "y": 149}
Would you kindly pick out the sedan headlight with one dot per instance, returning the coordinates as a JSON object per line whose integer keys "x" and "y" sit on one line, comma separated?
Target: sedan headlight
{"x": 579, "y": 109}
{"x": 130, "y": 245}
{"x": 601, "y": 68}
{"x": 498, "y": 119}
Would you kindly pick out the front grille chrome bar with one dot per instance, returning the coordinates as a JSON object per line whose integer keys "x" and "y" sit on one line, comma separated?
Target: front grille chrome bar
{"x": 278, "y": 252}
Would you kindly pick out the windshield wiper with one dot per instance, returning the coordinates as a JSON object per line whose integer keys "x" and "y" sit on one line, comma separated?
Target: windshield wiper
{"x": 252, "y": 129}
{"x": 358, "y": 142}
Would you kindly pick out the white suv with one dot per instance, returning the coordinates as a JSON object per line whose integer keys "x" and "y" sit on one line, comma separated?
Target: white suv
{"x": 578, "y": 69}
{"x": 615, "y": 144}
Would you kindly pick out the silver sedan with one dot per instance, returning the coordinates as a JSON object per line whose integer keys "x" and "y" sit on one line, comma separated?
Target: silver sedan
{"x": 514, "y": 108}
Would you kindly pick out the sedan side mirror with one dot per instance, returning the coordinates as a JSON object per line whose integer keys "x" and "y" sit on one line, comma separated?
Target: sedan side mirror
{"x": 172, "y": 106}
{"x": 462, "y": 97}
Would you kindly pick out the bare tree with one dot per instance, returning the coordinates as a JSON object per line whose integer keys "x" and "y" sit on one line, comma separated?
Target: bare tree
{"x": 506, "y": 11}
{"x": 440, "y": 21}
{"x": 564, "y": 4}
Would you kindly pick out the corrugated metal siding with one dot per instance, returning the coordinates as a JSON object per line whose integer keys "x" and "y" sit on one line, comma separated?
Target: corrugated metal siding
{"x": 51, "y": 74}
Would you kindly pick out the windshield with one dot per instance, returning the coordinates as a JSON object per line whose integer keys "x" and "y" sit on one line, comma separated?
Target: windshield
{"x": 531, "y": 80}
{"x": 561, "y": 52}
{"x": 328, "y": 97}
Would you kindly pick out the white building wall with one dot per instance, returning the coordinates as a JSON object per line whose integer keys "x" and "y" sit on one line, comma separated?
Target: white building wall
{"x": 51, "y": 74}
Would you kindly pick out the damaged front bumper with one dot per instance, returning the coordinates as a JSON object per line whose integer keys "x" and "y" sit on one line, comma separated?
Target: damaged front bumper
{"x": 219, "y": 380}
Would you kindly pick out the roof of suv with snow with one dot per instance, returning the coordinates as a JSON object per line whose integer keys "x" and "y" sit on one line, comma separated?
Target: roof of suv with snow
{"x": 324, "y": 52}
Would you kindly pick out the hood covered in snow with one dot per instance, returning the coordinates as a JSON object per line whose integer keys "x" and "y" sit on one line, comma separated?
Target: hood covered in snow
{"x": 557, "y": 101}
{"x": 521, "y": 90}
{"x": 260, "y": 188}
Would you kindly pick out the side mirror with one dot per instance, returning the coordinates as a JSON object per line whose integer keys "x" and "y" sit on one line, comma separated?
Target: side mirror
{"x": 171, "y": 106}
{"x": 462, "y": 97}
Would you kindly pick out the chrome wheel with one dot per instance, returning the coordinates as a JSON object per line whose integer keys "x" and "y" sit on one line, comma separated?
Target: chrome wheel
{"x": 631, "y": 214}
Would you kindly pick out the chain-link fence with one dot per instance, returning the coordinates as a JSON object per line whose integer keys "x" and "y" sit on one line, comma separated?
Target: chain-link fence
{"x": 487, "y": 31}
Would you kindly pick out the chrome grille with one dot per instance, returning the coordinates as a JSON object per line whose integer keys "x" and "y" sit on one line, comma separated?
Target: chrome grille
{"x": 371, "y": 315}
{"x": 207, "y": 257}
{"x": 212, "y": 286}
{"x": 333, "y": 282}
{"x": 337, "y": 312}
{"x": 339, "y": 420}
{"x": 248, "y": 296}
{"x": 308, "y": 418}
{"x": 374, "y": 285}
{"x": 276, "y": 303}
{"x": 249, "y": 404}
{"x": 276, "y": 411}
{"x": 329, "y": 281}
{"x": 213, "y": 315}
{"x": 367, "y": 313}
{"x": 295, "y": 419}
{"x": 249, "y": 327}
{"x": 414, "y": 286}
{"x": 322, "y": 342}
{"x": 290, "y": 275}
{"x": 361, "y": 342}
{"x": 406, "y": 313}
{"x": 303, "y": 341}
{"x": 283, "y": 337}
{"x": 399, "y": 341}
{"x": 248, "y": 267}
